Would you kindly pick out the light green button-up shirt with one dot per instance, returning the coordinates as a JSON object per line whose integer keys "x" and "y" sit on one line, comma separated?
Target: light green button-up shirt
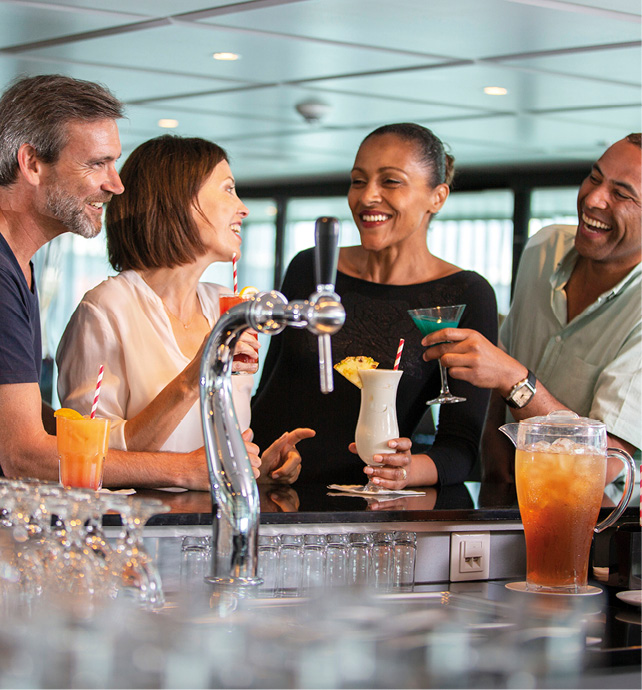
{"x": 593, "y": 364}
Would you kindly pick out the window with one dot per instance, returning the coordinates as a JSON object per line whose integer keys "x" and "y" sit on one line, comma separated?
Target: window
{"x": 549, "y": 206}
{"x": 474, "y": 230}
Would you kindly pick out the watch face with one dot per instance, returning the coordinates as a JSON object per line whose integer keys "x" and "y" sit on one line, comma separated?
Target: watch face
{"x": 522, "y": 396}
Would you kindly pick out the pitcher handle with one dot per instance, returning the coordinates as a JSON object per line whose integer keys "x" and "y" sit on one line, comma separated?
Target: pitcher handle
{"x": 628, "y": 487}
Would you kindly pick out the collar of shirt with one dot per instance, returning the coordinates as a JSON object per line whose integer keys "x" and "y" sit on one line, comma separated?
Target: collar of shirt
{"x": 561, "y": 276}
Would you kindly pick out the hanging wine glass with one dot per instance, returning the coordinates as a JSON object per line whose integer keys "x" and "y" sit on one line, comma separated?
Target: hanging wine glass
{"x": 132, "y": 564}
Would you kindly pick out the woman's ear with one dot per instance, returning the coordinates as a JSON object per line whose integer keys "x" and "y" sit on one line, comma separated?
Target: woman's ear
{"x": 438, "y": 197}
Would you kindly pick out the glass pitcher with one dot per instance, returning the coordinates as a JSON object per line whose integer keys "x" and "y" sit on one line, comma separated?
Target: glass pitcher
{"x": 560, "y": 472}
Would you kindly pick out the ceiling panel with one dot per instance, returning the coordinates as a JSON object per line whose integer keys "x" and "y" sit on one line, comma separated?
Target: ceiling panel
{"x": 18, "y": 25}
{"x": 463, "y": 86}
{"x": 615, "y": 65}
{"x": 264, "y": 58}
{"x": 478, "y": 28}
{"x": 572, "y": 69}
{"x": 127, "y": 83}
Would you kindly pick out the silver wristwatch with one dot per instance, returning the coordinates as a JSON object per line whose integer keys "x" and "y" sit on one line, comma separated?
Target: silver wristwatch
{"x": 522, "y": 392}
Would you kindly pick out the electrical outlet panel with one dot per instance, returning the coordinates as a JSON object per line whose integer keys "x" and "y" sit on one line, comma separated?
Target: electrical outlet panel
{"x": 469, "y": 556}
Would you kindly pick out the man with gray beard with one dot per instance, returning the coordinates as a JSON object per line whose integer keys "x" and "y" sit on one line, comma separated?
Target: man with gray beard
{"x": 59, "y": 145}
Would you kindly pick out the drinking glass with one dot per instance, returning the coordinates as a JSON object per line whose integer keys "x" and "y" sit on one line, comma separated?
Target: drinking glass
{"x": 132, "y": 563}
{"x": 291, "y": 565}
{"x": 433, "y": 319}
{"x": 405, "y": 555}
{"x": 268, "y": 565}
{"x": 313, "y": 561}
{"x": 359, "y": 558}
{"x": 381, "y": 566}
{"x": 377, "y": 423}
{"x": 82, "y": 446}
{"x": 225, "y": 302}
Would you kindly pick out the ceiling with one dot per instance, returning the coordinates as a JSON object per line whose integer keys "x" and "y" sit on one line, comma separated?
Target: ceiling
{"x": 572, "y": 71}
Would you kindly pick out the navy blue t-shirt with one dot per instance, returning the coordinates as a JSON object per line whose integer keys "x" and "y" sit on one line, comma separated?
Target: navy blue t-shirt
{"x": 20, "y": 337}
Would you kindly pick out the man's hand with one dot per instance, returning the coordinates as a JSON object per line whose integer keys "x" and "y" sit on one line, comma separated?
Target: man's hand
{"x": 469, "y": 356}
{"x": 281, "y": 461}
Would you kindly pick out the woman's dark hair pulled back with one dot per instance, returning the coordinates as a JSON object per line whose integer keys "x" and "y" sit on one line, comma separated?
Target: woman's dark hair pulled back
{"x": 429, "y": 147}
{"x": 150, "y": 225}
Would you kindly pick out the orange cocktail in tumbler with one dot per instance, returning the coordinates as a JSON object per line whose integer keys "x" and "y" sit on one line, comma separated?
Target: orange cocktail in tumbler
{"x": 82, "y": 446}
{"x": 559, "y": 496}
{"x": 228, "y": 300}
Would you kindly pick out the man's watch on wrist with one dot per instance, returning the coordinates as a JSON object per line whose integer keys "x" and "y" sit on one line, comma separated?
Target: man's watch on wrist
{"x": 522, "y": 392}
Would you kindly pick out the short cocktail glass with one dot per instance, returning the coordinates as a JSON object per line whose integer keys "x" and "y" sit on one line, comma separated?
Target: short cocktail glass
{"x": 433, "y": 319}
{"x": 377, "y": 423}
{"x": 225, "y": 302}
{"x": 82, "y": 446}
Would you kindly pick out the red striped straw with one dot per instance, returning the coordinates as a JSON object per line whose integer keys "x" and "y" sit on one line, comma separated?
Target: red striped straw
{"x": 399, "y": 351}
{"x": 235, "y": 275}
{"x": 97, "y": 393}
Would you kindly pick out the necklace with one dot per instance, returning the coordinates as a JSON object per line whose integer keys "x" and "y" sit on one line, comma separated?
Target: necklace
{"x": 168, "y": 310}
{"x": 184, "y": 325}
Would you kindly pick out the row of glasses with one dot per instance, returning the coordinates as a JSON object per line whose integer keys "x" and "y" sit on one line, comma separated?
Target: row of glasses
{"x": 294, "y": 564}
{"x": 59, "y": 545}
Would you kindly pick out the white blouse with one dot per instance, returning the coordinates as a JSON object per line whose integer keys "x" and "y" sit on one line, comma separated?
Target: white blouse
{"x": 123, "y": 325}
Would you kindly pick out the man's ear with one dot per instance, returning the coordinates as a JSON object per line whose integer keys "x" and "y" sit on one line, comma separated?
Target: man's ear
{"x": 31, "y": 167}
{"x": 438, "y": 197}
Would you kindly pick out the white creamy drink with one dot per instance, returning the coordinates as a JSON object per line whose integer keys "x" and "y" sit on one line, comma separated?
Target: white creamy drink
{"x": 377, "y": 422}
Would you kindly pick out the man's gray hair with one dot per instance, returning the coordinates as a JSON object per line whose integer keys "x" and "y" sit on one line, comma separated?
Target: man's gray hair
{"x": 37, "y": 110}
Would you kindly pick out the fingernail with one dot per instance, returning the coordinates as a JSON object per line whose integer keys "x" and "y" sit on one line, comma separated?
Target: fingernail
{"x": 392, "y": 444}
{"x": 368, "y": 470}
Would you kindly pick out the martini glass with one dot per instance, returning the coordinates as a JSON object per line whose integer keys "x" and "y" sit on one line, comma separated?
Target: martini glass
{"x": 434, "y": 319}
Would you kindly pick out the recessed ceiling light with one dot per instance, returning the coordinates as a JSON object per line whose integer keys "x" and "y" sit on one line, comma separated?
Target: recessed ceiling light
{"x": 226, "y": 56}
{"x": 168, "y": 123}
{"x": 495, "y": 90}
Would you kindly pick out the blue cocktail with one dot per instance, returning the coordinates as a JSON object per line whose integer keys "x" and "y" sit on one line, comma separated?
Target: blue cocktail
{"x": 434, "y": 319}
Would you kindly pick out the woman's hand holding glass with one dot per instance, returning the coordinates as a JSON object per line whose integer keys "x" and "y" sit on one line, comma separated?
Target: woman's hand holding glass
{"x": 248, "y": 346}
{"x": 394, "y": 471}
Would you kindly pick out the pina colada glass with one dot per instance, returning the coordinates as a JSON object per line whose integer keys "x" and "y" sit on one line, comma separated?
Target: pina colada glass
{"x": 433, "y": 319}
{"x": 377, "y": 423}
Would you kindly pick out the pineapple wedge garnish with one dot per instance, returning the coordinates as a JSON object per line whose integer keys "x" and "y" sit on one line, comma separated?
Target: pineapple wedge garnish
{"x": 349, "y": 367}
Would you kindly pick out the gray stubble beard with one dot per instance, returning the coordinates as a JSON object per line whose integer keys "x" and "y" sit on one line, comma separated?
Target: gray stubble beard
{"x": 64, "y": 208}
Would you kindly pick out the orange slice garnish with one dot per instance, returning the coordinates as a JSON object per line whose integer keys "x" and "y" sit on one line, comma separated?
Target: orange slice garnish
{"x": 67, "y": 413}
{"x": 249, "y": 291}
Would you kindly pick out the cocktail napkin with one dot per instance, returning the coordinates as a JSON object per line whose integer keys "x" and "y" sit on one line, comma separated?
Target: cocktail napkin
{"x": 357, "y": 489}
{"x": 124, "y": 492}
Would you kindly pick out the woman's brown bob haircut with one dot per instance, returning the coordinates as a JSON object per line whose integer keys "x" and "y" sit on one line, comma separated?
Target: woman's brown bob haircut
{"x": 151, "y": 225}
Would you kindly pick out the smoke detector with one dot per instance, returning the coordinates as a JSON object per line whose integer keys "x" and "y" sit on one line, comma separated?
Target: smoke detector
{"x": 313, "y": 110}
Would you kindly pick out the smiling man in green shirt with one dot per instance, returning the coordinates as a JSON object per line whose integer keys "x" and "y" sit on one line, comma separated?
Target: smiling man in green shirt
{"x": 573, "y": 336}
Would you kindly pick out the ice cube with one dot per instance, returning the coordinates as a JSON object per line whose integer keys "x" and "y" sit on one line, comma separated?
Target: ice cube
{"x": 563, "y": 445}
{"x": 539, "y": 447}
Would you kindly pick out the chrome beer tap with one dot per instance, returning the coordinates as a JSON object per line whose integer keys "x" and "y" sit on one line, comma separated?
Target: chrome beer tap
{"x": 235, "y": 497}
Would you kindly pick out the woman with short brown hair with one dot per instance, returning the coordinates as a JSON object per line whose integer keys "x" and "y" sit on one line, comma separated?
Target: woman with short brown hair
{"x": 148, "y": 325}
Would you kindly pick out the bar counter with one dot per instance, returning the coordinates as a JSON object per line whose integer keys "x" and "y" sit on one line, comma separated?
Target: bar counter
{"x": 610, "y": 637}
{"x": 386, "y": 608}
